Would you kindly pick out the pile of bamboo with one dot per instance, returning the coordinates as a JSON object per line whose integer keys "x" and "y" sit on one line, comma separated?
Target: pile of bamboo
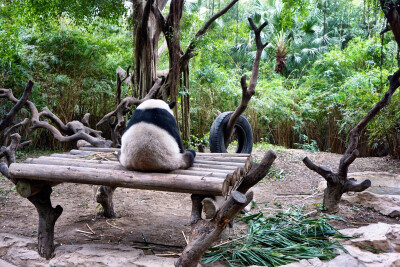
{"x": 212, "y": 173}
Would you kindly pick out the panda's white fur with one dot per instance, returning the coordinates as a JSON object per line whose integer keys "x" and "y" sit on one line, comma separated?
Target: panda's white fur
{"x": 155, "y": 103}
{"x": 147, "y": 147}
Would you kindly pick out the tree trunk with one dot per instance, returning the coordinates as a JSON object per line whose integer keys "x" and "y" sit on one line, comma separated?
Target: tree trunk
{"x": 185, "y": 104}
{"x": 332, "y": 195}
{"x": 47, "y": 219}
{"x": 146, "y": 41}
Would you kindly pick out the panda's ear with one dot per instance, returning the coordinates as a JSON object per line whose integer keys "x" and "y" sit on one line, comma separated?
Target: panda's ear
{"x": 172, "y": 105}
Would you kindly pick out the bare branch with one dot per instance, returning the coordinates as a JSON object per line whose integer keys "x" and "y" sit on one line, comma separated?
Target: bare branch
{"x": 8, "y": 132}
{"x": 257, "y": 172}
{"x": 85, "y": 120}
{"x": 352, "y": 186}
{"x": 189, "y": 53}
{"x": 321, "y": 170}
{"x": 247, "y": 92}
{"x": 50, "y": 115}
{"x": 162, "y": 48}
{"x": 9, "y": 117}
{"x": 204, "y": 233}
{"x": 4, "y": 170}
{"x": 393, "y": 17}
{"x": 9, "y": 152}
{"x": 123, "y": 107}
{"x": 338, "y": 183}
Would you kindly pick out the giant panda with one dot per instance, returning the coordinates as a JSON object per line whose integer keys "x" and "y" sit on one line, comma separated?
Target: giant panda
{"x": 151, "y": 140}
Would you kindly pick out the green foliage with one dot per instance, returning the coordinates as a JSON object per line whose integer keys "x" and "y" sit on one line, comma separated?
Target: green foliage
{"x": 307, "y": 145}
{"x": 289, "y": 236}
{"x": 81, "y": 12}
{"x": 336, "y": 66}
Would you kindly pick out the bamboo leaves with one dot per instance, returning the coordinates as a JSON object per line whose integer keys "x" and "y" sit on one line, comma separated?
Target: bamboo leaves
{"x": 289, "y": 236}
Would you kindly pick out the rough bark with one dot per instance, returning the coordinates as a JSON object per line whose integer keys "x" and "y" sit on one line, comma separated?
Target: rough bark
{"x": 338, "y": 183}
{"x": 247, "y": 91}
{"x": 47, "y": 219}
{"x": 75, "y": 130}
{"x": 204, "y": 232}
{"x": 392, "y": 13}
{"x": 105, "y": 198}
{"x": 41, "y": 200}
{"x": 9, "y": 153}
{"x": 9, "y": 117}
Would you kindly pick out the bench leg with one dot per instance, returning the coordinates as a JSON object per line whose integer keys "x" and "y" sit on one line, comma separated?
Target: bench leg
{"x": 47, "y": 219}
{"x": 197, "y": 206}
{"x": 105, "y": 198}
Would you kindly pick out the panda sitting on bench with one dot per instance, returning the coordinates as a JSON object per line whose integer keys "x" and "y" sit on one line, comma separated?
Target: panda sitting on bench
{"x": 151, "y": 141}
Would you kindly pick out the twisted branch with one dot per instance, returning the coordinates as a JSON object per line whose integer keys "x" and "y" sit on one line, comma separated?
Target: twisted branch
{"x": 9, "y": 117}
{"x": 247, "y": 92}
{"x": 338, "y": 183}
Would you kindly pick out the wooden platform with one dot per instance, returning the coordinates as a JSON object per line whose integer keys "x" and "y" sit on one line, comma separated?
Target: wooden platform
{"x": 212, "y": 173}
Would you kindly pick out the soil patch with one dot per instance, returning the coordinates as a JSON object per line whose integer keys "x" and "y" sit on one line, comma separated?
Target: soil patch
{"x": 157, "y": 221}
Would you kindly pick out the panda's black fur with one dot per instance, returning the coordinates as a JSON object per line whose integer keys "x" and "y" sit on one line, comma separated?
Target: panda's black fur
{"x": 151, "y": 140}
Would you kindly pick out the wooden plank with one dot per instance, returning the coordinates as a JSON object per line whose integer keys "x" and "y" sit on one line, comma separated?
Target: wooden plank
{"x": 224, "y": 163}
{"x": 117, "y": 178}
{"x": 196, "y": 161}
{"x": 196, "y": 166}
{"x": 116, "y": 166}
{"x": 199, "y": 156}
{"x": 98, "y": 149}
{"x": 81, "y": 160}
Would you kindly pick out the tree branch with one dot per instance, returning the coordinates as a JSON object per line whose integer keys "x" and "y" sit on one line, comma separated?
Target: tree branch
{"x": 189, "y": 53}
{"x": 50, "y": 115}
{"x": 9, "y": 117}
{"x": 257, "y": 172}
{"x": 128, "y": 101}
{"x": 8, "y": 132}
{"x": 247, "y": 92}
{"x": 352, "y": 186}
{"x": 393, "y": 16}
{"x": 321, "y": 170}
{"x": 338, "y": 183}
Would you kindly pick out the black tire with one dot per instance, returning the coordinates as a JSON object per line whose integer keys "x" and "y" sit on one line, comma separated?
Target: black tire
{"x": 242, "y": 129}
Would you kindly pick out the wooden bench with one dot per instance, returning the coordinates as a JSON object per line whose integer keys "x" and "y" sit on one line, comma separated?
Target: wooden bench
{"x": 212, "y": 175}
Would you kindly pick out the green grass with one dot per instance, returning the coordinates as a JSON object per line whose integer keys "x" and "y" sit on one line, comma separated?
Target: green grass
{"x": 279, "y": 240}
{"x": 264, "y": 146}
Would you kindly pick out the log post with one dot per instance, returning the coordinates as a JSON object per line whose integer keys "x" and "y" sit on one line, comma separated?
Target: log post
{"x": 105, "y": 198}
{"x": 47, "y": 219}
{"x": 205, "y": 233}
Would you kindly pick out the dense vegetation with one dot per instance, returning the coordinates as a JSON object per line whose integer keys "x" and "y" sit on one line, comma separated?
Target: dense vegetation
{"x": 333, "y": 66}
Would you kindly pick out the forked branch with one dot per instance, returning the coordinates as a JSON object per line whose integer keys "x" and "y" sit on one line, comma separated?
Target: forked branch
{"x": 9, "y": 117}
{"x": 247, "y": 91}
{"x": 338, "y": 183}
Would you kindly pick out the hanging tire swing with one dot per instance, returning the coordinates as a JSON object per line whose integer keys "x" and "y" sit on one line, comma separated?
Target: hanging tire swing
{"x": 242, "y": 133}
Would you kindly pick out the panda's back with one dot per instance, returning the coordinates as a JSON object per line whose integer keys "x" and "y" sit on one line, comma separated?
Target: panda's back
{"x": 151, "y": 142}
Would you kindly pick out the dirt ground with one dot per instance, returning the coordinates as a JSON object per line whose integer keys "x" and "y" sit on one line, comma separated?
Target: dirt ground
{"x": 157, "y": 221}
